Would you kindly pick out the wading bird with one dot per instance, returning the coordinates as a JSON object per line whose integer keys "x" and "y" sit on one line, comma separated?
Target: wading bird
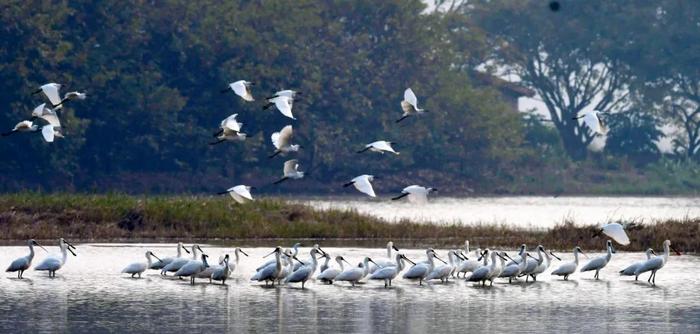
{"x": 242, "y": 89}
{"x": 387, "y": 274}
{"x": 629, "y": 270}
{"x": 23, "y": 263}
{"x": 599, "y": 262}
{"x": 51, "y": 91}
{"x": 355, "y": 274}
{"x": 239, "y": 193}
{"x": 486, "y": 272}
{"x": 569, "y": 268}
{"x": 379, "y": 146}
{"x": 616, "y": 232}
{"x": 329, "y": 274}
{"x": 177, "y": 263}
{"x": 388, "y": 261}
{"x": 303, "y": 273}
{"x": 229, "y": 130}
{"x": 137, "y": 268}
{"x": 421, "y": 270}
{"x": 656, "y": 263}
{"x": 513, "y": 269}
{"x": 416, "y": 194}
{"x": 409, "y": 105}
{"x": 362, "y": 183}
{"x": 290, "y": 171}
{"x": 54, "y": 262}
{"x": 222, "y": 273}
{"x": 282, "y": 141}
{"x": 23, "y": 126}
{"x": 192, "y": 268}
{"x": 162, "y": 263}
{"x": 468, "y": 265}
{"x": 283, "y": 103}
{"x": 593, "y": 122}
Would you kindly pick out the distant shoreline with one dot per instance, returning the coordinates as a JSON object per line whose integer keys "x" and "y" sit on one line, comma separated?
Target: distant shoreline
{"x": 123, "y": 218}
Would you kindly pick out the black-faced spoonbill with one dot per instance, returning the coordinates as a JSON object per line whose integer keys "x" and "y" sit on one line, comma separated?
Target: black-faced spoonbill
{"x": 354, "y": 275}
{"x": 599, "y": 262}
{"x": 569, "y": 268}
{"x": 53, "y": 263}
{"x": 328, "y": 275}
{"x": 303, "y": 273}
{"x": 242, "y": 89}
{"x": 387, "y": 274}
{"x": 164, "y": 262}
{"x": 23, "y": 263}
{"x": 137, "y": 268}
{"x": 409, "y": 105}
{"x": 388, "y": 261}
{"x": 177, "y": 263}
{"x": 616, "y": 232}
{"x": 421, "y": 270}
{"x": 363, "y": 184}
{"x": 239, "y": 193}
{"x": 282, "y": 141}
{"x": 415, "y": 193}
{"x": 468, "y": 265}
{"x": 51, "y": 91}
{"x": 290, "y": 171}
{"x": 629, "y": 270}
{"x": 221, "y": 273}
{"x": 229, "y": 130}
{"x": 23, "y": 126}
{"x": 192, "y": 268}
{"x": 514, "y": 269}
{"x": 379, "y": 146}
{"x": 656, "y": 263}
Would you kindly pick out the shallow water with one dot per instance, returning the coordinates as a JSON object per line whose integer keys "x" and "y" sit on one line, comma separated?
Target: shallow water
{"x": 524, "y": 211}
{"x": 90, "y": 295}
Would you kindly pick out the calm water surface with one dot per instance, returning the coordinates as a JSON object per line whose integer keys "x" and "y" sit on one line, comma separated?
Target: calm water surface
{"x": 90, "y": 295}
{"x": 525, "y": 211}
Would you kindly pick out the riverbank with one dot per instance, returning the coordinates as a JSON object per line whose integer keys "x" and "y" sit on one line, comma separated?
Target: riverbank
{"x": 124, "y": 218}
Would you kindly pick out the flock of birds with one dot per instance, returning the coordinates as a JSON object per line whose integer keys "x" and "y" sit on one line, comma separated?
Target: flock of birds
{"x": 482, "y": 266}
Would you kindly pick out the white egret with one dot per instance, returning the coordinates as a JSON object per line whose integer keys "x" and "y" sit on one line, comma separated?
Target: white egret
{"x": 137, "y": 268}
{"x": 416, "y": 194}
{"x": 51, "y": 91}
{"x": 23, "y": 126}
{"x": 514, "y": 269}
{"x": 468, "y": 265}
{"x": 569, "y": 268}
{"x": 362, "y": 183}
{"x": 282, "y": 140}
{"x": 53, "y": 263}
{"x": 162, "y": 263}
{"x": 629, "y": 270}
{"x": 290, "y": 171}
{"x": 593, "y": 121}
{"x": 177, "y": 263}
{"x": 229, "y": 130}
{"x": 379, "y": 146}
{"x": 283, "y": 103}
{"x": 616, "y": 232}
{"x": 388, "y": 261}
{"x": 223, "y": 272}
{"x": 242, "y": 89}
{"x": 192, "y": 268}
{"x": 409, "y": 105}
{"x": 599, "y": 262}
{"x": 23, "y": 263}
{"x": 329, "y": 274}
{"x": 303, "y": 273}
{"x": 354, "y": 275}
{"x": 239, "y": 193}
{"x": 421, "y": 270}
{"x": 656, "y": 263}
{"x": 387, "y": 274}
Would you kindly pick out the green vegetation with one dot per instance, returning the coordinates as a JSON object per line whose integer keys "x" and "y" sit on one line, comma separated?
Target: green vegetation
{"x": 121, "y": 217}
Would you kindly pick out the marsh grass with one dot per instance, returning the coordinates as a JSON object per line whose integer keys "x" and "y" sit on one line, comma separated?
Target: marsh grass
{"x": 121, "y": 217}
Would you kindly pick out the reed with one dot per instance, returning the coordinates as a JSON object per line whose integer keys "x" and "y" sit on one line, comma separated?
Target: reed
{"x": 121, "y": 217}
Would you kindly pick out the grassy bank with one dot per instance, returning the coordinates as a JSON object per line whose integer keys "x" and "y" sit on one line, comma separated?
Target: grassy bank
{"x": 122, "y": 217}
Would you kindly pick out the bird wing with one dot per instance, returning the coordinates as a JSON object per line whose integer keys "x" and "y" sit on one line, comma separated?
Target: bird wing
{"x": 51, "y": 91}
{"x": 362, "y": 184}
{"x": 275, "y": 140}
{"x": 285, "y": 136}
{"x": 286, "y": 92}
{"x": 239, "y": 88}
{"x": 48, "y": 132}
{"x": 592, "y": 121}
{"x": 39, "y": 110}
{"x": 617, "y": 233}
{"x": 651, "y": 264}
{"x": 290, "y": 166}
{"x": 51, "y": 117}
{"x": 284, "y": 105}
{"x": 594, "y": 264}
{"x": 410, "y": 97}
{"x": 243, "y": 191}
{"x": 231, "y": 123}
{"x": 383, "y": 145}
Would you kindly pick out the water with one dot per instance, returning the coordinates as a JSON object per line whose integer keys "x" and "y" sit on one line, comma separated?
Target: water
{"x": 524, "y": 211}
{"x": 89, "y": 295}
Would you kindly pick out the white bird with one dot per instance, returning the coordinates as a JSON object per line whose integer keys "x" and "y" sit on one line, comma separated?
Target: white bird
{"x": 242, "y": 89}
{"x": 295, "y": 247}
{"x": 533, "y": 264}
{"x": 599, "y": 262}
{"x": 362, "y": 183}
{"x": 387, "y": 274}
{"x": 329, "y": 274}
{"x": 484, "y": 273}
{"x": 498, "y": 269}
{"x": 309, "y": 260}
{"x": 516, "y": 260}
{"x": 656, "y": 263}
{"x": 229, "y": 130}
{"x": 421, "y": 270}
{"x": 177, "y": 263}
{"x": 629, "y": 270}
{"x": 443, "y": 272}
{"x": 514, "y": 269}
{"x": 468, "y": 265}
{"x": 409, "y": 105}
{"x": 53, "y": 124}
{"x": 23, "y": 126}
{"x": 51, "y": 90}
{"x": 379, "y": 146}
{"x": 290, "y": 171}
{"x": 232, "y": 265}
{"x": 569, "y": 268}
{"x": 239, "y": 193}
{"x": 286, "y": 92}
{"x": 223, "y": 272}
{"x": 282, "y": 141}
{"x": 544, "y": 264}
{"x": 23, "y": 263}
{"x": 593, "y": 121}
{"x": 271, "y": 273}
{"x": 162, "y": 263}
{"x": 616, "y": 232}
{"x": 55, "y": 262}
{"x": 192, "y": 268}
{"x": 388, "y": 261}
{"x": 137, "y": 268}
{"x": 355, "y": 274}
{"x": 416, "y": 194}
{"x": 70, "y": 96}
{"x": 283, "y": 103}
{"x": 304, "y": 273}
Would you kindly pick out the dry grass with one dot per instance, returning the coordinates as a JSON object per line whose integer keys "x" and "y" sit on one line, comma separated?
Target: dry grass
{"x": 122, "y": 217}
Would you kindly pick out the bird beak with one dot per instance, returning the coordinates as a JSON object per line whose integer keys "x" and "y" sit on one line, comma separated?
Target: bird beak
{"x": 42, "y": 247}
{"x": 185, "y": 249}
{"x": 273, "y": 252}
{"x": 244, "y": 253}
{"x": 534, "y": 258}
{"x": 294, "y": 257}
{"x": 370, "y": 260}
{"x": 464, "y": 256}
{"x": 584, "y": 254}
{"x": 346, "y": 262}
{"x": 200, "y": 249}
{"x": 394, "y": 247}
{"x": 156, "y": 257}
{"x": 322, "y": 251}
{"x": 613, "y": 249}
{"x": 556, "y": 257}
{"x": 405, "y": 258}
{"x": 508, "y": 256}
{"x": 71, "y": 251}
{"x": 675, "y": 250}
{"x": 501, "y": 256}
{"x": 441, "y": 260}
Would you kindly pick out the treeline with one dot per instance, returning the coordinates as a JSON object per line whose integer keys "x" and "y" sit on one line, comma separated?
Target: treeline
{"x": 153, "y": 71}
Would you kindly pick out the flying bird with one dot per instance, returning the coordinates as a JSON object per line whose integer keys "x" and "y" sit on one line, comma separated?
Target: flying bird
{"x": 616, "y": 232}
{"x": 592, "y": 121}
{"x": 291, "y": 171}
{"x": 416, "y": 194}
{"x": 379, "y": 146}
{"x": 362, "y": 183}
{"x": 242, "y": 89}
{"x": 282, "y": 141}
{"x": 283, "y": 103}
{"x": 230, "y": 129}
{"x": 52, "y": 129}
{"x": 51, "y": 91}
{"x": 409, "y": 105}
{"x": 23, "y": 126}
{"x": 240, "y": 193}
{"x": 70, "y": 96}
